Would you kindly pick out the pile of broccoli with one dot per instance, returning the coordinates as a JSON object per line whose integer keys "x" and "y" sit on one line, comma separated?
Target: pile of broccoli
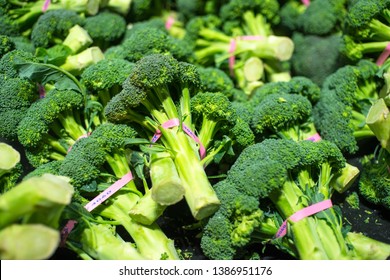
{"x": 155, "y": 130}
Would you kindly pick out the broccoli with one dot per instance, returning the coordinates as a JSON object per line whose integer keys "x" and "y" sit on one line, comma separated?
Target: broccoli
{"x": 159, "y": 89}
{"x": 347, "y": 95}
{"x": 99, "y": 160}
{"x": 11, "y": 168}
{"x": 353, "y": 200}
{"x": 23, "y": 15}
{"x": 144, "y": 9}
{"x": 104, "y": 79}
{"x": 249, "y": 17}
{"x": 52, "y": 125}
{"x": 23, "y": 43}
{"x": 6, "y": 45}
{"x": 270, "y": 181}
{"x": 105, "y": 28}
{"x": 305, "y": 62}
{"x": 31, "y": 212}
{"x": 283, "y": 115}
{"x": 16, "y": 95}
{"x": 53, "y": 26}
{"x": 188, "y": 9}
{"x": 214, "y": 79}
{"x": 9, "y": 61}
{"x": 151, "y": 40}
{"x": 374, "y": 183}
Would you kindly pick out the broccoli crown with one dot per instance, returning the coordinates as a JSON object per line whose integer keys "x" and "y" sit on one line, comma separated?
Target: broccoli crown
{"x": 290, "y": 13}
{"x": 113, "y": 136}
{"x": 231, "y": 227}
{"x": 279, "y": 112}
{"x": 106, "y": 74}
{"x": 374, "y": 182}
{"x": 308, "y": 48}
{"x": 368, "y": 19}
{"x": 16, "y": 93}
{"x": 354, "y": 83}
{"x": 145, "y": 41}
{"x": 9, "y": 61}
{"x": 7, "y": 26}
{"x": 234, "y": 9}
{"x": 216, "y": 80}
{"x": 6, "y": 45}
{"x": 199, "y": 23}
{"x": 156, "y": 23}
{"x": 296, "y": 85}
{"x": 54, "y": 25}
{"x": 323, "y": 17}
{"x": 141, "y": 10}
{"x": 106, "y": 27}
{"x": 58, "y": 108}
{"x": 9, "y": 120}
{"x": 213, "y": 106}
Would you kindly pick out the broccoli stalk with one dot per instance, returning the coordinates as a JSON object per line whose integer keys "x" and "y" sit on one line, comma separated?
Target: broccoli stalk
{"x": 378, "y": 120}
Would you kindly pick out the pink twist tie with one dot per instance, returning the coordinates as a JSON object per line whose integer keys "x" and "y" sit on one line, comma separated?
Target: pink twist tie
{"x": 303, "y": 213}
{"x": 383, "y": 56}
{"x": 315, "y": 138}
{"x": 170, "y": 21}
{"x": 233, "y": 46}
{"x": 82, "y": 136}
{"x": 66, "y": 230}
{"x": 103, "y": 196}
{"x": 305, "y": 2}
{"x": 45, "y": 6}
{"x": 175, "y": 122}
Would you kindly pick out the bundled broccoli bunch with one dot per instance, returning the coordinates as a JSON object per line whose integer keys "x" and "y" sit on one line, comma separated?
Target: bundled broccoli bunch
{"x": 269, "y": 183}
{"x": 108, "y": 175}
{"x": 366, "y": 33}
{"x": 346, "y": 97}
{"x": 240, "y": 40}
{"x": 161, "y": 95}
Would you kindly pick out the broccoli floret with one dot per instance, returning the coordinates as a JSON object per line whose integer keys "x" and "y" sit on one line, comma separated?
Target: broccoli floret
{"x": 374, "y": 183}
{"x": 290, "y": 13}
{"x": 284, "y": 115}
{"x": 104, "y": 79}
{"x": 106, "y": 28}
{"x": 146, "y": 41}
{"x": 347, "y": 95}
{"x": 6, "y": 45}
{"x": 216, "y": 80}
{"x": 159, "y": 88}
{"x": 210, "y": 111}
{"x": 16, "y": 96}
{"x": 189, "y": 9}
{"x": 11, "y": 168}
{"x": 52, "y": 125}
{"x": 144, "y": 9}
{"x": 353, "y": 200}
{"x": 53, "y": 27}
{"x": 233, "y": 15}
{"x": 357, "y": 50}
{"x": 9, "y": 60}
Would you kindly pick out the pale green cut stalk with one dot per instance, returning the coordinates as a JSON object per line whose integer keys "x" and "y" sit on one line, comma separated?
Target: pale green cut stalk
{"x": 9, "y": 158}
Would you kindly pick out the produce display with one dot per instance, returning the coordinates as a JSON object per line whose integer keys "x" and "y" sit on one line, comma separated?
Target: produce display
{"x": 202, "y": 129}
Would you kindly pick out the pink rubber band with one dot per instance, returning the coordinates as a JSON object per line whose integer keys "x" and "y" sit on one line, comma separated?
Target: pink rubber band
{"x": 103, "y": 196}
{"x": 41, "y": 91}
{"x": 175, "y": 122}
{"x": 233, "y": 46}
{"x": 303, "y": 213}
{"x": 170, "y": 21}
{"x": 66, "y": 230}
{"x": 305, "y": 2}
{"x": 45, "y": 6}
{"x": 383, "y": 56}
{"x": 82, "y": 136}
{"x": 315, "y": 138}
